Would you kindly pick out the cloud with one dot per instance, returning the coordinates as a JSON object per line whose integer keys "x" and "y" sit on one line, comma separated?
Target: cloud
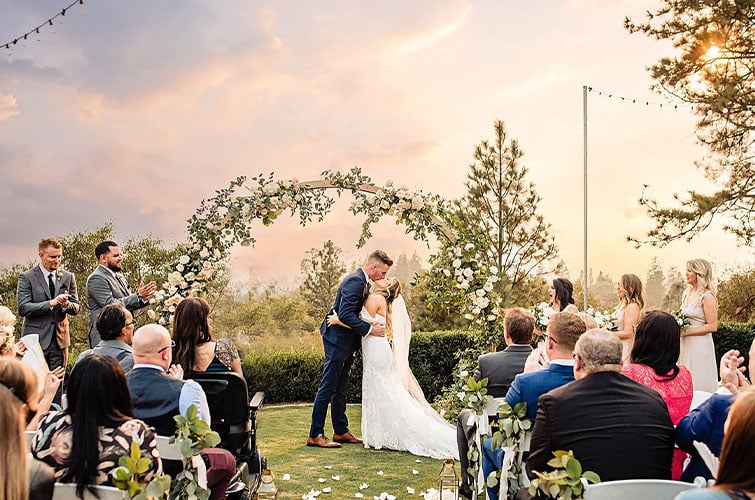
{"x": 8, "y": 107}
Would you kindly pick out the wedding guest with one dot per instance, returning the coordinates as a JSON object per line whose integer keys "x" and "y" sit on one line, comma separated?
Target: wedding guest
{"x": 700, "y": 306}
{"x": 84, "y": 442}
{"x": 616, "y": 427}
{"x": 706, "y": 422}
{"x": 196, "y": 350}
{"x": 653, "y": 364}
{"x": 735, "y": 477}
{"x": 106, "y": 285}
{"x": 46, "y": 297}
{"x": 560, "y": 294}
{"x": 499, "y": 368}
{"x": 21, "y": 478}
{"x": 561, "y": 336}
{"x": 7, "y": 339}
{"x": 116, "y": 327}
{"x": 159, "y": 394}
{"x": 629, "y": 311}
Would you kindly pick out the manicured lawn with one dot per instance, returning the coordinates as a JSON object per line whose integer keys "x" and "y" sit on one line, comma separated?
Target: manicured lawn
{"x": 282, "y": 434}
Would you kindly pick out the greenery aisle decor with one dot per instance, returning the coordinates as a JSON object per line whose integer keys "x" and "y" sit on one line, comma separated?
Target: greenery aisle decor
{"x": 566, "y": 482}
{"x": 512, "y": 437}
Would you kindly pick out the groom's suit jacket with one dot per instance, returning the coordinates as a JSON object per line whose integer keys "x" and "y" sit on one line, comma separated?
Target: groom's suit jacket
{"x": 348, "y": 304}
{"x": 33, "y": 296}
{"x": 104, "y": 288}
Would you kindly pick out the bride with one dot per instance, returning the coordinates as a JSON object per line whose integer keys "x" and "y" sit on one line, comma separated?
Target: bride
{"x": 395, "y": 413}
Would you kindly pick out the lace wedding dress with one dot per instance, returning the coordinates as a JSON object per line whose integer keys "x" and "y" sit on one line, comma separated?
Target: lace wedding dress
{"x": 395, "y": 414}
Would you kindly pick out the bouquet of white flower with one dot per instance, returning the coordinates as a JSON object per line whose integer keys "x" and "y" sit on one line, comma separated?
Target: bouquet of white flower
{"x": 680, "y": 318}
{"x": 542, "y": 312}
{"x": 604, "y": 319}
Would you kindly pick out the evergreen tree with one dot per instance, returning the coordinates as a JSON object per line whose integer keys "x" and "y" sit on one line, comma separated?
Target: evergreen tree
{"x": 654, "y": 289}
{"x": 322, "y": 269}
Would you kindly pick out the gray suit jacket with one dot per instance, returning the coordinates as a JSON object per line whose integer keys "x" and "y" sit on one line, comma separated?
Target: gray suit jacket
{"x": 102, "y": 289}
{"x": 500, "y": 368}
{"x": 33, "y": 296}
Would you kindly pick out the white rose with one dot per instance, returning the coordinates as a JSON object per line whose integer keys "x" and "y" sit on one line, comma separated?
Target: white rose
{"x": 179, "y": 268}
{"x": 469, "y": 246}
{"x": 184, "y": 259}
{"x": 468, "y": 273}
{"x": 480, "y": 292}
{"x": 385, "y": 205}
{"x": 204, "y": 253}
{"x": 488, "y": 287}
{"x": 469, "y": 316}
{"x": 175, "y": 278}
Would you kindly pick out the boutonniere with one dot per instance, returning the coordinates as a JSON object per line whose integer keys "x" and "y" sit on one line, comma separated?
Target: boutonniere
{"x": 59, "y": 274}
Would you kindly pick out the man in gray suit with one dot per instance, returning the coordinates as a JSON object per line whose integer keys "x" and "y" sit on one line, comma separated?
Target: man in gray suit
{"x": 499, "y": 368}
{"x": 46, "y": 294}
{"x": 107, "y": 285}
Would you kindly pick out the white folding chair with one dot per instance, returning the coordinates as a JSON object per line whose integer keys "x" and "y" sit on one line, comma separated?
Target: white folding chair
{"x": 168, "y": 451}
{"x": 632, "y": 489}
{"x": 67, "y": 491}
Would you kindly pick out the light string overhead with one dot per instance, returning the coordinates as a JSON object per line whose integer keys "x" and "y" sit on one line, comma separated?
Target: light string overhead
{"x": 10, "y": 43}
{"x": 646, "y": 102}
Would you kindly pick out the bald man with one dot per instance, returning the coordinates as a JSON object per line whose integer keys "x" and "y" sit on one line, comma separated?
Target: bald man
{"x": 159, "y": 393}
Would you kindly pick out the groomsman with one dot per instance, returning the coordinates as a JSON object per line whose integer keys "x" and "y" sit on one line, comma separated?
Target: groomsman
{"x": 46, "y": 295}
{"x": 107, "y": 285}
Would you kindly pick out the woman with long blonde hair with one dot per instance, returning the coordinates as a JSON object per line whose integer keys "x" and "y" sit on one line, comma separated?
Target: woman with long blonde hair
{"x": 629, "y": 311}
{"x": 700, "y": 306}
{"x": 20, "y": 478}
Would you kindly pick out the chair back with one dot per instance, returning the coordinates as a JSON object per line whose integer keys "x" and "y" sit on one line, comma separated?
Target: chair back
{"x": 168, "y": 450}
{"x": 632, "y": 489}
{"x": 67, "y": 491}
{"x": 228, "y": 399}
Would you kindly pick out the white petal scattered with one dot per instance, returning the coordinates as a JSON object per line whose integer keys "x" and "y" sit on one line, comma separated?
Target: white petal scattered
{"x": 328, "y": 467}
{"x": 418, "y": 461}
{"x": 321, "y": 480}
{"x": 335, "y": 478}
{"x": 358, "y": 495}
{"x": 415, "y": 471}
{"x": 286, "y": 477}
{"x": 380, "y": 473}
{"x": 364, "y": 486}
{"x": 326, "y": 490}
{"x": 410, "y": 490}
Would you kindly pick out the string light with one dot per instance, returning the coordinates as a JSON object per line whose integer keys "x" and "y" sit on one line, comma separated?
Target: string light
{"x": 648, "y": 103}
{"x": 35, "y": 29}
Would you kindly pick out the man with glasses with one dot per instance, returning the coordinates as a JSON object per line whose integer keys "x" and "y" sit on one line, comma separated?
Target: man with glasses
{"x": 159, "y": 393}
{"x": 616, "y": 427}
{"x": 560, "y": 338}
{"x": 107, "y": 285}
{"x": 116, "y": 327}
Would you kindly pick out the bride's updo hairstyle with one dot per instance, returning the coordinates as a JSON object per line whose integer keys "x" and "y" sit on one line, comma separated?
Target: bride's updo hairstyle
{"x": 390, "y": 292}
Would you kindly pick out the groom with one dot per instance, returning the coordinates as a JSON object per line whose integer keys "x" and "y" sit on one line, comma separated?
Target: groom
{"x": 340, "y": 345}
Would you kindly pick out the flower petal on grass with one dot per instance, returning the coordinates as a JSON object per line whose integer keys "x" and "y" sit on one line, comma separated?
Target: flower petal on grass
{"x": 418, "y": 461}
{"x": 358, "y": 495}
{"x": 321, "y": 480}
{"x": 328, "y": 467}
{"x": 326, "y": 490}
{"x": 415, "y": 471}
{"x": 364, "y": 486}
{"x": 380, "y": 473}
{"x": 286, "y": 477}
{"x": 335, "y": 478}
{"x": 410, "y": 490}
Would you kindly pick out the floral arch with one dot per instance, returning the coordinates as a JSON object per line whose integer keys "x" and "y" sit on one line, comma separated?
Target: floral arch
{"x": 225, "y": 220}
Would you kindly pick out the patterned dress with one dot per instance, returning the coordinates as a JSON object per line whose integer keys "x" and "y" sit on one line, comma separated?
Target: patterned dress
{"x": 53, "y": 442}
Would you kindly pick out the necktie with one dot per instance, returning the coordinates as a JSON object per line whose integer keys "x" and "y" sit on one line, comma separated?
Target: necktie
{"x": 366, "y": 290}
{"x": 51, "y": 284}
{"x": 122, "y": 282}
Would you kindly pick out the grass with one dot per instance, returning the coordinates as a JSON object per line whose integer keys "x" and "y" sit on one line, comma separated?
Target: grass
{"x": 282, "y": 434}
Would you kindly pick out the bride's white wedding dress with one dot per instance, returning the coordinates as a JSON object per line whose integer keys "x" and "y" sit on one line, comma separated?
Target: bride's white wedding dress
{"x": 395, "y": 414}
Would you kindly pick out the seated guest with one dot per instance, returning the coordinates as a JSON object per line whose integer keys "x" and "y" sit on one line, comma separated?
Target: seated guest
{"x": 735, "y": 471}
{"x": 116, "y": 327}
{"x": 499, "y": 368}
{"x": 7, "y": 337}
{"x": 20, "y": 478}
{"x": 706, "y": 422}
{"x": 653, "y": 364}
{"x": 196, "y": 350}
{"x": 561, "y": 335}
{"x": 159, "y": 394}
{"x": 616, "y": 427}
{"x": 84, "y": 442}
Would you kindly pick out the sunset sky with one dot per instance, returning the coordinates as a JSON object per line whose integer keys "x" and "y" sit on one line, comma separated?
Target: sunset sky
{"x": 135, "y": 111}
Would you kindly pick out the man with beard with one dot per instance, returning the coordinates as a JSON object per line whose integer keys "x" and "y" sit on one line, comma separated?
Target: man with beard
{"x": 107, "y": 285}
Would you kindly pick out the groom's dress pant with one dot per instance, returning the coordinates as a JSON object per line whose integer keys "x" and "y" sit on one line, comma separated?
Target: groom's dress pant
{"x": 333, "y": 388}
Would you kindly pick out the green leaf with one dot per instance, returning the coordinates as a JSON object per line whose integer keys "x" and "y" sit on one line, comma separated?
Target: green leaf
{"x": 573, "y": 468}
{"x": 591, "y": 477}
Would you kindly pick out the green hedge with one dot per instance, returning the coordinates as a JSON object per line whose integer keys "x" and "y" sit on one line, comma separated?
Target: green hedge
{"x": 294, "y": 375}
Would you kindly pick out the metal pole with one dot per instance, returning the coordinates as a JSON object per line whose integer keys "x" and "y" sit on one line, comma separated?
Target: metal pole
{"x": 584, "y": 120}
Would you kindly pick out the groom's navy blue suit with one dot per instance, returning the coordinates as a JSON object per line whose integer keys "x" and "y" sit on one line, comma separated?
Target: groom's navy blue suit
{"x": 340, "y": 346}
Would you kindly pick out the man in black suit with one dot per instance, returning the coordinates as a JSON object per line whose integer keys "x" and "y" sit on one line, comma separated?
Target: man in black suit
{"x": 340, "y": 345}
{"x": 616, "y": 427}
{"x": 499, "y": 368}
{"x": 46, "y": 295}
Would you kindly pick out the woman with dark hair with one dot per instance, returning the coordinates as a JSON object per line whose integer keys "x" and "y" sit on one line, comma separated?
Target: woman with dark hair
{"x": 195, "y": 349}
{"x": 84, "y": 442}
{"x": 20, "y": 479}
{"x": 560, "y": 293}
{"x": 653, "y": 363}
{"x": 735, "y": 477}
{"x": 629, "y": 310}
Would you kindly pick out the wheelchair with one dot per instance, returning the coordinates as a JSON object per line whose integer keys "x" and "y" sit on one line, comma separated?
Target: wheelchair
{"x": 234, "y": 418}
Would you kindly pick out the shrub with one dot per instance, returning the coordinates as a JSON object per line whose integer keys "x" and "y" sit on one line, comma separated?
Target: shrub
{"x": 734, "y": 336}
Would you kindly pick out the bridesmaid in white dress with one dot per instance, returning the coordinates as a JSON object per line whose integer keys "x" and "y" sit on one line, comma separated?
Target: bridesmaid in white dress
{"x": 629, "y": 311}
{"x": 395, "y": 414}
{"x": 699, "y": 304}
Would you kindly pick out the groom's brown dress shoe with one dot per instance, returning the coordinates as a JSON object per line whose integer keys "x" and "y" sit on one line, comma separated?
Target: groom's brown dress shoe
{"x": 322, "y": 441}
{"x": 346, "y": 438}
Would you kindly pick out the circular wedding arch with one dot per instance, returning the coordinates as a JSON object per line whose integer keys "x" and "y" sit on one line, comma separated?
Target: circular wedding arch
{"x": 225, "y": 220}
